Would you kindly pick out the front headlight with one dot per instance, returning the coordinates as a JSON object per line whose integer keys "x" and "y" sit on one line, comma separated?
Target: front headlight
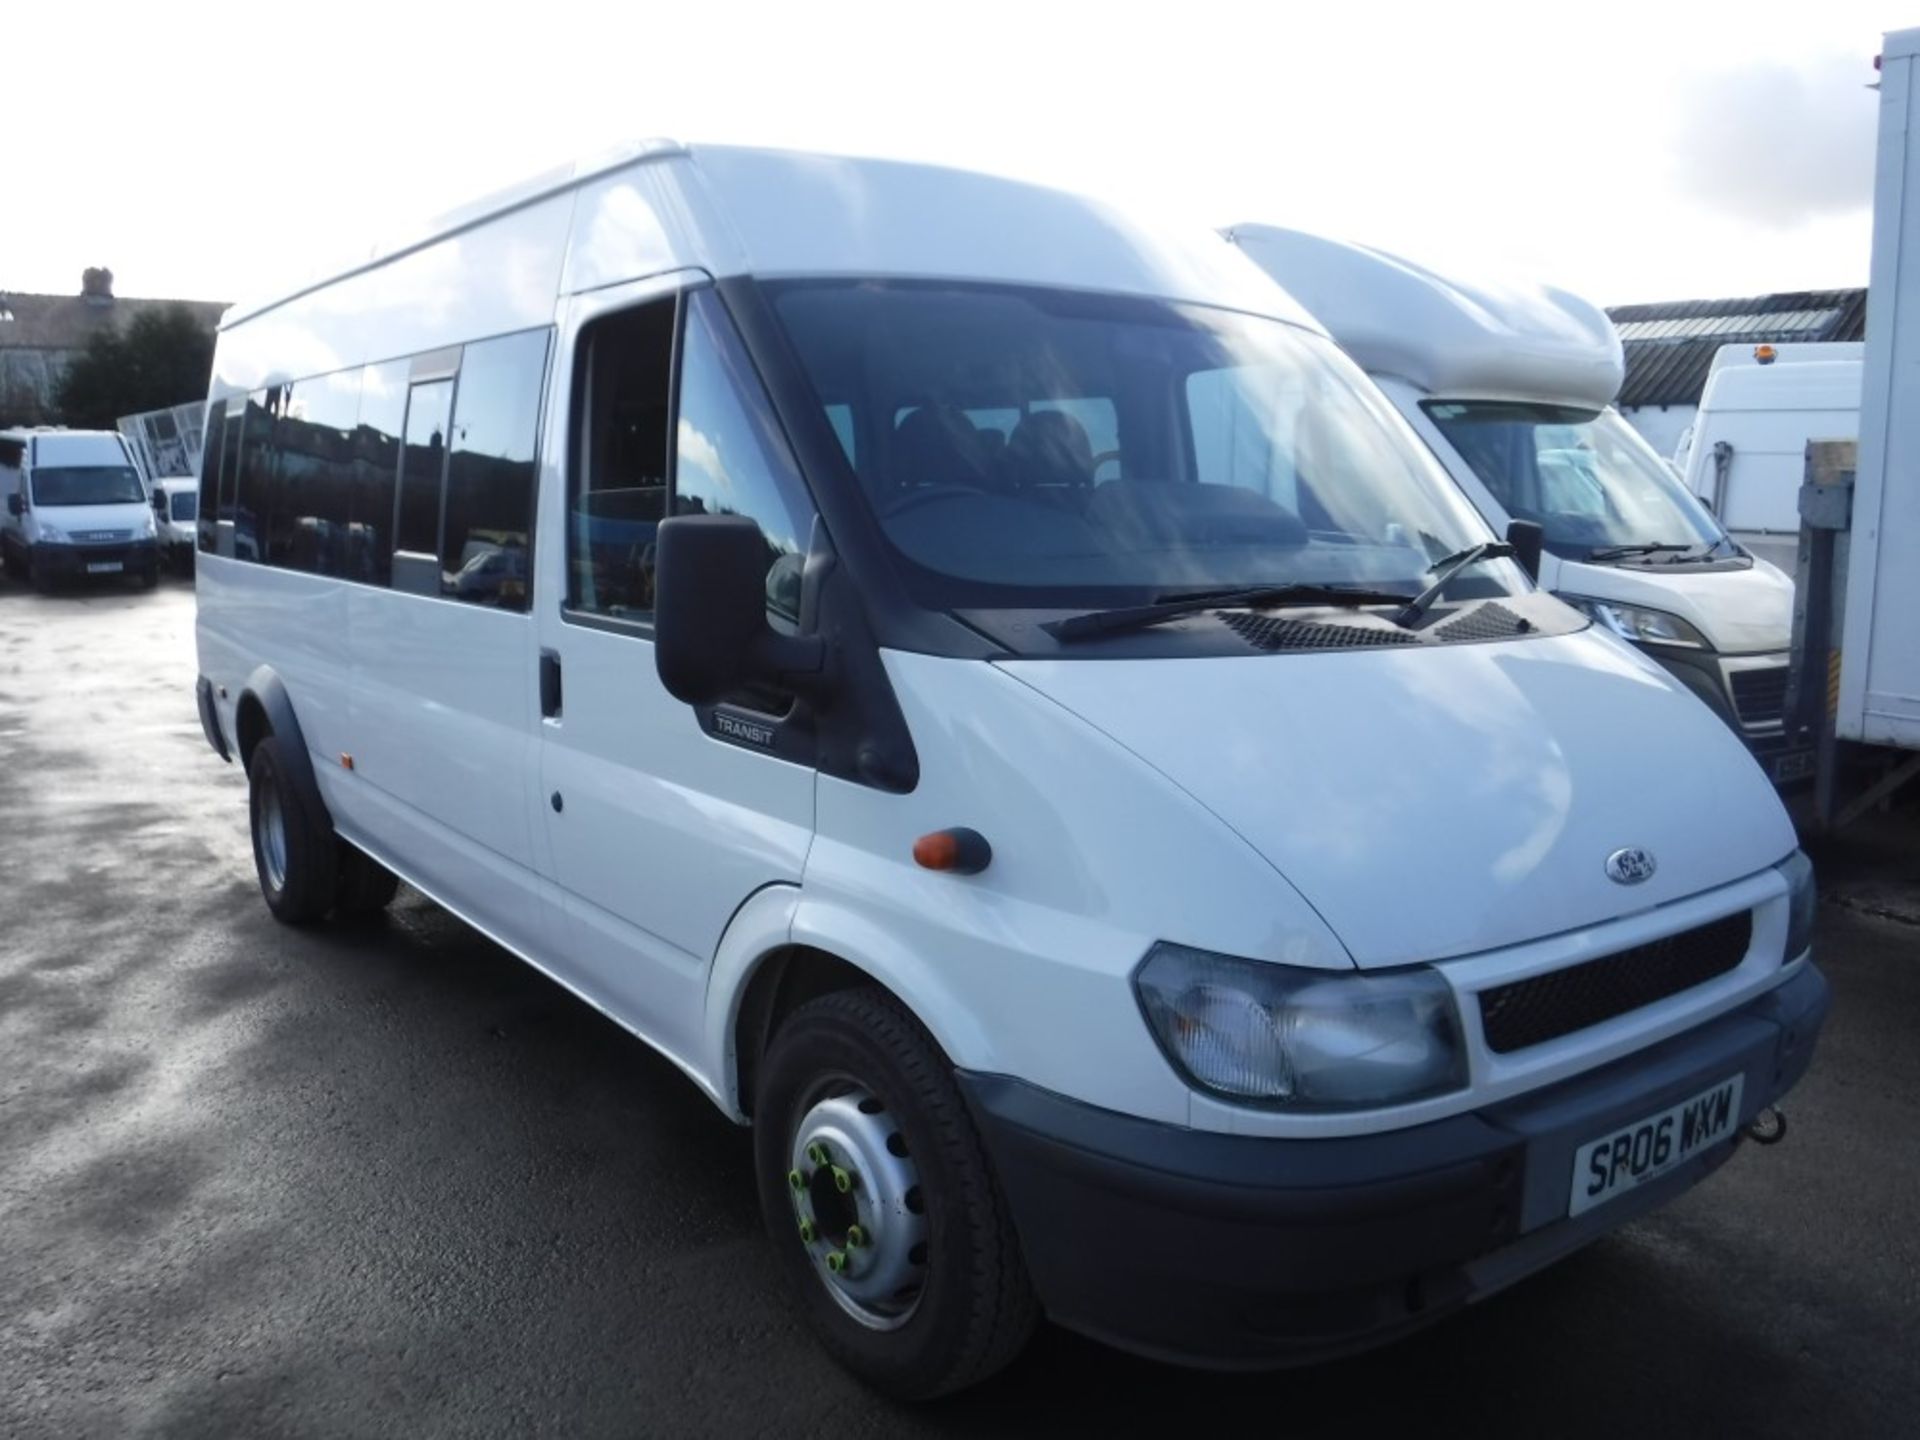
{"x": 1802, "y": 901}
{"x": 1302, "y": 1040}
{"x": 1639, "y": 624}
{"x": 148, "y": 528}
{"x": 52, "y": 534}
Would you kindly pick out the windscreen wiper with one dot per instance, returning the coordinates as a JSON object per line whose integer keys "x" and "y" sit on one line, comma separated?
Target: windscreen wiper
{"x": 1688, "y": 553}
{"x": 1172, "y": 607}
{"x": 1621, "y": 552}
{"x": 1449, "y": 567}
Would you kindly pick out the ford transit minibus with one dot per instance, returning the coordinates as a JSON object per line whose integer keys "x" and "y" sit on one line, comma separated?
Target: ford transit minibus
{"x": 985, "y": 687}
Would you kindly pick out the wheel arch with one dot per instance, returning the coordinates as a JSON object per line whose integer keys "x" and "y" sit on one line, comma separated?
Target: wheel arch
{"x": 265, "y": 708}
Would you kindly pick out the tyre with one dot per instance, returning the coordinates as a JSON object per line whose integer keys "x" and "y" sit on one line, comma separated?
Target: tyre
{"x": 362, "y": 886}
{"x": 41, "y": 577}
{"x": 150, "y": 577}
{"x": 11, "y": 562}
{"x": 293, "y": 847}
{"x": 877, "y": 1194}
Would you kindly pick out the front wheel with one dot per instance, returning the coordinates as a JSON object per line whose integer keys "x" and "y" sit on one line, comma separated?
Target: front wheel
{"x": 877, "y": 1193}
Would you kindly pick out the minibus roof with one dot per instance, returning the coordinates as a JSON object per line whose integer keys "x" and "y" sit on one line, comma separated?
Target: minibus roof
{"x": 1450, "y": 337}
{"x": 660, "y": 205}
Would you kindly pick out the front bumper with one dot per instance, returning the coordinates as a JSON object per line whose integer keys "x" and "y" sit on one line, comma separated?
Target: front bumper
{"x": 62, "y": 561}
{"x": 1237, "y": 1251}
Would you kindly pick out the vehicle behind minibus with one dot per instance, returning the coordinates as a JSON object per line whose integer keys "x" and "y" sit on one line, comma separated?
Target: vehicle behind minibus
{"x": 993, "y": 694}
{"x": 76, "y": 508}
{"x": 1511, "y": 385}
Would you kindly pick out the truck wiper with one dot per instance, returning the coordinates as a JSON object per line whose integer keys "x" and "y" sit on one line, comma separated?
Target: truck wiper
{"x": 1173, "y": 606}
{"x": 1621, "y": 552}
{"x": 1695, "y": 552}
{"x": 1449, "y": 567}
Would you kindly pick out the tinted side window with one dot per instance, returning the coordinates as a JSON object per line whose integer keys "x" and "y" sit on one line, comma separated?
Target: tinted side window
{"x": 210, "y": 472}
{"x": 230, "y": 467}
{"x": 253, "y": 501}
{"x": 422, "y": 466}
{"x": 485, "y": 547}
{"x": 617, "y": 491}
{"x": 729, "y": 455}
{"x": 310, "y": 518}
{"x": 375, "y": 471}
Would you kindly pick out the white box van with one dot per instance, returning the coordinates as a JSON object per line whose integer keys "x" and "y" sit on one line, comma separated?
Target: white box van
{"x": 176, "y": 512}
{"x": 76, "y": 508}
{"x": 1510, "y": 385}
{"x": 994, "y": 695}
{"x": 1745, "y": 454}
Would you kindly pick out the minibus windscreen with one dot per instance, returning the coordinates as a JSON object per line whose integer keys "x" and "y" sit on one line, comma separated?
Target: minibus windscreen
{"x": 1584, "y": 476}
{"x": 87, "y": 485}
{"x": 1028, "y": 447}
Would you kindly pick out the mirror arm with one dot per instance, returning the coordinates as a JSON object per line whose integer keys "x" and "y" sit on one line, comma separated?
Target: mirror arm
{"x": 792, "y": 660}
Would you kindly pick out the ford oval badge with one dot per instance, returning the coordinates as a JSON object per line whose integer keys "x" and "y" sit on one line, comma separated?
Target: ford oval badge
{"x": 1630, "y": 866}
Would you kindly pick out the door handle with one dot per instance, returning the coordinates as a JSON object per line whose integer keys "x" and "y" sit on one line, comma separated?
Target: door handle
{"x": 549, "y": 685}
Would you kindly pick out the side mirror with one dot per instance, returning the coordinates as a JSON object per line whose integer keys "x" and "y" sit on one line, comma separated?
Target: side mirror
{"x": 1525, "y": 536}
{"x": 710, "y": 631}
{"x": 14, "y": 507}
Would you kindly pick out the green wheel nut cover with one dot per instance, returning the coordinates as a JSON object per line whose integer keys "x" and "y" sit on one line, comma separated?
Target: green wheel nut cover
{"x": 856, "y": 1237}
{"x": 796, "y": 1179}
{"x": 842, "y": 1181}
{"x": 837, "y": 1261}
{"x": 817, "y": 1153}
{"x": 806, "y": 1232}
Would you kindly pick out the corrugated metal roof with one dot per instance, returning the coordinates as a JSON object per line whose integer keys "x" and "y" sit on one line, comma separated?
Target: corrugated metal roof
{"x": 1670, "y": 346}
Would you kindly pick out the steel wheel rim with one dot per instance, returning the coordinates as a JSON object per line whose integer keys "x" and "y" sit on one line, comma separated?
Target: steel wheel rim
{"x": 857, "y": 1204}
{"x": 273, "y": 838}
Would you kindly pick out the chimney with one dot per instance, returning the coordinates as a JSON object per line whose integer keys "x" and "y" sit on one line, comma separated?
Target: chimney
{"x": 96, "y": 285}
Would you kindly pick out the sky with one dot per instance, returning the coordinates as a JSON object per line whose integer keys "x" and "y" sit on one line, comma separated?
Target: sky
{"x": 1626, "y": 151}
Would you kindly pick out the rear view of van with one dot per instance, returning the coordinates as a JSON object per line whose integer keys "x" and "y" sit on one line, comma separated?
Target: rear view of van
{"x": 76, "y": 508}
{"x": 1746, "y": 452}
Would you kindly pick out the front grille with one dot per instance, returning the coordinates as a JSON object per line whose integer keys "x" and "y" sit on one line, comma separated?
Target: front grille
{"x": 101, "y": 537}
{"x": 1760, "y": 695}
{"x": 1269, "y": 632}
{"x": 1545, "y": 1007}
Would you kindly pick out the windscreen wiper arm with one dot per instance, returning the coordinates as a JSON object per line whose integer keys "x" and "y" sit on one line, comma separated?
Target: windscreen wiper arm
{"x": 1172, "y": 607}
{"x": 1451, "y": 566}
{"x": 1621, "y": 552}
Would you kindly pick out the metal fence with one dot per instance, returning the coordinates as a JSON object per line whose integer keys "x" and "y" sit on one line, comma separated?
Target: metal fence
{"x": 167, "y": 442}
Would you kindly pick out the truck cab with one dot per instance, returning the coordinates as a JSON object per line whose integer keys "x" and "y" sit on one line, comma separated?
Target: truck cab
{"x": 1510, "y": 385}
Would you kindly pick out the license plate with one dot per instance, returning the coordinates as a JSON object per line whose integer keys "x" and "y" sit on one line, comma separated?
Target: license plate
{"x": 1646, "y": 1149}
{"x": 104, "y": 567}
{"x": 1795, "y": 765}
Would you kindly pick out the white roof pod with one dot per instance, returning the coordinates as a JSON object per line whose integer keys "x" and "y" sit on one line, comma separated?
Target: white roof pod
{"x": 1448, "y": 337}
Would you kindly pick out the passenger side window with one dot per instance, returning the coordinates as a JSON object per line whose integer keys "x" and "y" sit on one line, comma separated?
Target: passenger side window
{"x": 485, "y": 549}
{"x": 617, "y": 491}
{"x": 313, "y": 506}
{"x": 729, "y": 455}
{"x": 376, "y": 469}
{"x": 210, "y": 474}
{"x": 254, "y": 493}
{"x": 423, "y": 464}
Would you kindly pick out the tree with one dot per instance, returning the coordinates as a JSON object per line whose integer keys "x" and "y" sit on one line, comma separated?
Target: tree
{"x": 162, "y": 357}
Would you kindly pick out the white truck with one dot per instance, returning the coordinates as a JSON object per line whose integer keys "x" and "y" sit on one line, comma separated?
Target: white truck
{"x": 1510, "y": 384}
{"x": 1856, "y": 692}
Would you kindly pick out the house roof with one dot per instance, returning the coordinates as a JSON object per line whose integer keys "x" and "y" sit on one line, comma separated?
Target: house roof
{"x": 68, "y": 322}
{"x": 1670, "y": 346}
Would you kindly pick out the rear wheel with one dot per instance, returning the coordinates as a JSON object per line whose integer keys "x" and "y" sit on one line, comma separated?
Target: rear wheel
{"x": 293, "y": 848}
{"x": 11, "y": 561}
{"x": 362, "y": 886}
{"x": 877, "y": 1193}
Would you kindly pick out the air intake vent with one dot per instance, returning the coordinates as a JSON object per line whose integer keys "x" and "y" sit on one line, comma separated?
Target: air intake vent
{"x": 1268, "y": 632}
{"x": 1545, "y": 1007}
{"x": 1491, "y": 621}
{"x": 1760, "y": 694}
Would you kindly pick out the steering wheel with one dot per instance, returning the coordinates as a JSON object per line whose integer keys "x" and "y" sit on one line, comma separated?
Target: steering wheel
{"x": 927, "y": 495}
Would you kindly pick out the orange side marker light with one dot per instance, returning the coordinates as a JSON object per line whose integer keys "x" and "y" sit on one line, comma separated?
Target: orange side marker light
{"x": 346, "y": 761}
{"x": 959, "y": 851}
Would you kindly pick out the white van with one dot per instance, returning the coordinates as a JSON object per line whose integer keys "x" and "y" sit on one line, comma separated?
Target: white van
{"x": 1511, "y": 386}
{"x": 1745, "y": 455}
{"x": 989, "y": 691}
{"x": 75, "y": 508}
{"x": 176, "y": 512}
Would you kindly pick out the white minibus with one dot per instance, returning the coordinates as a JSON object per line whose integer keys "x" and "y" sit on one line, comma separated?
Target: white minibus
{"x": 1511, "y": 385}
{"x": 985, "y": 687}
